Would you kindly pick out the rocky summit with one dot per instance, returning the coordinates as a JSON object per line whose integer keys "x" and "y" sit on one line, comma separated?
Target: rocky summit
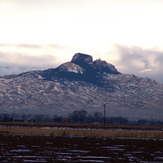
{"x": 82, "y": 84}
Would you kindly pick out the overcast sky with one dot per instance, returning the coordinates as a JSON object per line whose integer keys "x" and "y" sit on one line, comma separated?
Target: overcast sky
{"x": 40, "y": 34}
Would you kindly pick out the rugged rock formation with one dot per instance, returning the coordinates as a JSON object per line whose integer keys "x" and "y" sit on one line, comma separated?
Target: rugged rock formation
{"x": 80, "y": 58}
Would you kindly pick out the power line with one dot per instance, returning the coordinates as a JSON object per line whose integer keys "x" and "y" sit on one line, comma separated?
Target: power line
{"x": 104, "y": 113}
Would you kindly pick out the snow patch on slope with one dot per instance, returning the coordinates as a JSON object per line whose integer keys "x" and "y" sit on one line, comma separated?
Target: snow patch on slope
{"x": 71, "y": 67}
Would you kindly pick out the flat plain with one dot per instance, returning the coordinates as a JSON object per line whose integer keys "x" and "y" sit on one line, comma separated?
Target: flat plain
{"x": 25, "y": 142}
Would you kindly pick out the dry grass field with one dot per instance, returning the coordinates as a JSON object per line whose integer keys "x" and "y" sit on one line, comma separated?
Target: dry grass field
{"x": 48, "y": 142}
{"x": 81, "y": 130}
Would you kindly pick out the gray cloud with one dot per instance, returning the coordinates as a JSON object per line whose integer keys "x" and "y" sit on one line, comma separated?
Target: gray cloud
{"x": 21, "y": 45}
{"x": 141, "y": 62}
{"x": 22, "y": 58}
{"x": 9, "y": 69}
{"x": 18, "y": 58}
{"x": 15, "y": 63}
{"x": 34, "y": 46}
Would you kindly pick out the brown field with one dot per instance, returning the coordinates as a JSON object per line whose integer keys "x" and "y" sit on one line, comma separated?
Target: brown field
{"x": 90, "y": 130}
{"x": 48, "y": 142}
{"x": 48, "y": 149}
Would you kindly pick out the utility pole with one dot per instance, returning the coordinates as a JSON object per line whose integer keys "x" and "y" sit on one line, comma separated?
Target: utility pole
{"x": 104, "y": 113}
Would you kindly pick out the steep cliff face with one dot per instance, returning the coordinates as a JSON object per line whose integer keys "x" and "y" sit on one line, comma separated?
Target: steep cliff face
{"x": 81, "y": 84}
{"x": 80, "y": 58}
{"x": 96, "y": 67}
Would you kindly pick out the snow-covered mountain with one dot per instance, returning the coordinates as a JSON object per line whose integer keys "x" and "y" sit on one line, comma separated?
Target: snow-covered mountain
{"x": 82, "y": 84}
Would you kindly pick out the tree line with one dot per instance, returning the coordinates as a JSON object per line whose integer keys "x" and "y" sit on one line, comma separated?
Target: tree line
{"x": 77, "y": 116}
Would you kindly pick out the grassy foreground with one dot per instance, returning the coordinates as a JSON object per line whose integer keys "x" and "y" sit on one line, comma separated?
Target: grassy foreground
{"x": 79, "y": 130}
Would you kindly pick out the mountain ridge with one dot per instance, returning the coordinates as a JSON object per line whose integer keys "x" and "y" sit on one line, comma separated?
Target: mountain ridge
{"x": 81, "y": 84}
